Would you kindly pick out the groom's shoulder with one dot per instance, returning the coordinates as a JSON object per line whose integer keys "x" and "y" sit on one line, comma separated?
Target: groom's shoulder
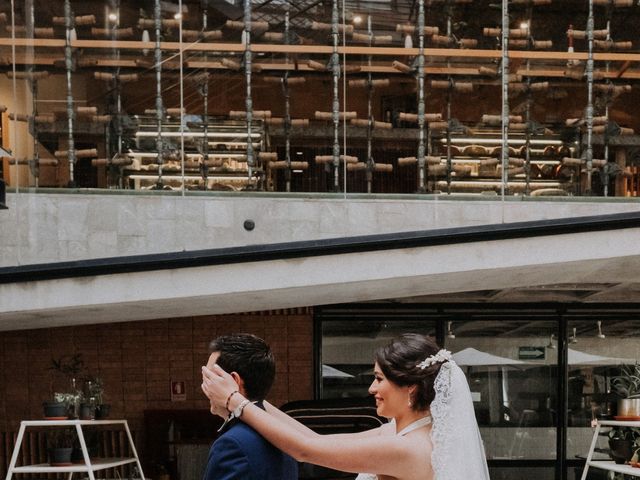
{"x": 242, "y": 433}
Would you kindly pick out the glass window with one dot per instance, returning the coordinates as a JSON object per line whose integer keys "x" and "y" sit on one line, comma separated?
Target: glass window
{"x": 512, "y": 373}
{"x": 597, "y": 351}
{"x": 347, "y": 352}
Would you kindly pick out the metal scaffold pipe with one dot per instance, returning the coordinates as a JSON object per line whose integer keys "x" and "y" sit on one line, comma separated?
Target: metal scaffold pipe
{"x": 505, "y": 96}
{"x": 589, "y": 111}
{"x": 287, "y": 106}
{"x": 369, "y": 114}
{"x": 68, "y": 63}
{"x": 159, "y": 106}
{"x": 247, "y": 73}
{"x": 421, "y": 107}
{"x": 204, "y": 167}
{"x": 33, "y": 83}
{"x": 335, "y": 68}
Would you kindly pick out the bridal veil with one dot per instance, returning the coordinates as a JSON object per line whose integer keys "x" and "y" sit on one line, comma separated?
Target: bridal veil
{"x": 458, "y": 452}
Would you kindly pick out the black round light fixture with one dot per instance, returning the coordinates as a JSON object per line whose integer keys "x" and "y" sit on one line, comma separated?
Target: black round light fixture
{"x": 249, "y": 225}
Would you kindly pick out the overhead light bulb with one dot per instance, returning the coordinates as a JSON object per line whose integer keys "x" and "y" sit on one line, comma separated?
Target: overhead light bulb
{"x": 600, "y": 334}
{"x": 573, "y": 338}
{"x": 178, "y": 16}
{"x": 357, "y": 20}
{"x": 113, "y": 17}
{"x": 551, "y": 345}
{"x": 524, "y": 25}
{"x": 450, "y": 333}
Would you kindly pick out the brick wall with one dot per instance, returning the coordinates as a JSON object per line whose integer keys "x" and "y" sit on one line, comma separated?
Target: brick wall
{"x": 138, "y": 360}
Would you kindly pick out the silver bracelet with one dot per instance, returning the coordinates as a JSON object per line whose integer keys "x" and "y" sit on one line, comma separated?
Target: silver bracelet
{"x": 237, "y": 412}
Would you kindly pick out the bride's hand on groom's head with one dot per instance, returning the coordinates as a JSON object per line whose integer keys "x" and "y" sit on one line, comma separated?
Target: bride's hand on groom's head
{"x": 217, "y": 385}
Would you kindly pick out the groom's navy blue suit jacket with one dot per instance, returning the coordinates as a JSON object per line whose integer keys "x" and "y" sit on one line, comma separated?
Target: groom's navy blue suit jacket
{"x": 242, "y": 453}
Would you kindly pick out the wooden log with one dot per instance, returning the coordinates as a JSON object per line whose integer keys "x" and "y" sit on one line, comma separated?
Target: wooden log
{"x": 19, "y": 117}
{"x": 382, "y": 125}
{"x": 129, "y": 77}
{"x": 300, "y": 122}
{"x": 29, "y": 75}
{"x": 542, "y": 44}
{"x": 274, "y": 36}
{"x": 572, "y": 162}
{"x": 401, "y": 67}
{"x": 518, "y": 43}
{"x": 440, "y": 84}
{"x": 231, "y": 64}
{"x": 598, "y": 163}
{"x": 442, "y": 40}
{"x": 616, "y": 3}
{"x": 101, "y": 118}
{"x": 213, "y": 162}
{"x": 491, "y": 71}
{"x": 117, "y": 33}
{"x": 383, "y": 167}
{"x": 489, "y": 162}
{"x": 403, "y": 161}
{"x": 539, "y": 86}
{"x": 239, "y": 25}
{"x": 438, "y": 125}
{"x": 352, "y": 167}
{"x": 432, "y": 160}
{"x": 411, "y": 29}
{"x": 88, "y": 111}
{"x": 257, "y": 114}
{"x": 268, "y": 156}
{"x": 497, "y": 119}
{"x": 329, "y": 159}
{"x": 103, "y": 76}
{"x": 380, "y": 82}
{"x": 342, "y": 28}
{"x": 194, "y": 35}
{"x": 351, "y": 68}
{"x": 468, "y": 43}
{"x": 321, "y": 67}
{"x": 84, "y": 153}
{"x": 612, "y": 89}
{"x": 85, "y": 20}
{"x": 531, "y": 2}
{"x": 516, "y": 162}
{"x": 43, "y": 32}
{"x": 150, "y": 23}
{"x": 282, "y": 165}
{"x": 45, "y": 118}
{"x": 461, "y": 170}
{"x": 329, "y": 115}
{"x": 575, "y": 74}
{"x": 437, "y": 170}
{"x": 597, "y": 34}
{"x": 491, "y": 32}
{"x": 48, "y": 162}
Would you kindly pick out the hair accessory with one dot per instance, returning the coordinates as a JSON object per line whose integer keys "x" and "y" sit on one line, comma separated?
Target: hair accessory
{"x": 440, "y": 357}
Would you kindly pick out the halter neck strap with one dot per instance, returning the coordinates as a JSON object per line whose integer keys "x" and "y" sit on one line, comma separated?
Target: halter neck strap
{"x": 421, "y": 422}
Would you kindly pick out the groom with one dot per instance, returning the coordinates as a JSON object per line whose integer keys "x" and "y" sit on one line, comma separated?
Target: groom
{"x": 240, "y": 452}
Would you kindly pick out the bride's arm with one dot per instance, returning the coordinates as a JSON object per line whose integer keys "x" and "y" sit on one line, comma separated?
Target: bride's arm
{"x": 381, "y": 454}
{"x": 280, "y": 415}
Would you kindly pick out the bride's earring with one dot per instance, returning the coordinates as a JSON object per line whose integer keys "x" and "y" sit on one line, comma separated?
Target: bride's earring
{"x": 410, "y": 403}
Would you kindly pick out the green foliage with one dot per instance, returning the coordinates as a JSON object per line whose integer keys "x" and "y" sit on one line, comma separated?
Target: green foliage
{"x": 70, "y": 366}
{"x": 61, "y": 437}
{"x": 627, "y": 384}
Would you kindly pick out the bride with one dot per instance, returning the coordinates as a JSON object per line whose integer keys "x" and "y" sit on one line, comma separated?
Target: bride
{"x": 432, "y": 435}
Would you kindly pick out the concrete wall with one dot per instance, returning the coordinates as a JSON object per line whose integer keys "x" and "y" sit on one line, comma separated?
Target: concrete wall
{"x": 52, "y": 227}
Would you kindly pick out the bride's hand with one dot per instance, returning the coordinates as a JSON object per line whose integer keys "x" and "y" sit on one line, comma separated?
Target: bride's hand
{"x": 218, "y": 385}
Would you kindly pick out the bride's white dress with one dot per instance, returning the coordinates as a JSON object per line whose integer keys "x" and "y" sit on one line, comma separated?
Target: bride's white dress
{"x": 458, "y": 452}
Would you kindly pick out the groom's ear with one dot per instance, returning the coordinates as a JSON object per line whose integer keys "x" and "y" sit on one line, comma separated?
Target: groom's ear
{"x": 238, "y": 379}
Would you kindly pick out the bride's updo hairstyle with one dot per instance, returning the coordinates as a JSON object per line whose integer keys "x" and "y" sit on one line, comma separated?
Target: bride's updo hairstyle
{"x": 399, "y": 361}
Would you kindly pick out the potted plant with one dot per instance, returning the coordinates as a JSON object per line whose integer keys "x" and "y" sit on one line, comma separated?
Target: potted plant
{"x": 69, "y": 368}
{"x": 622, "y": 442}
{"x": 94, "y": 391}
{"x": 60, "y": 445}
{"x": 627, "y": 386}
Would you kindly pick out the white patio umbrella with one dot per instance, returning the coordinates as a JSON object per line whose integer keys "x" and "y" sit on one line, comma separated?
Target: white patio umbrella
{"x": 331, "y": 372}
{"x": 470, "y": 357}
{"x": 577, "y": 357}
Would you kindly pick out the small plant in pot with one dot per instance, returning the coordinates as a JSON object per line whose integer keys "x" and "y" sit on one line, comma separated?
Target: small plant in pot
{"x": 67, "y": 370}
{"x": 60, "y": 446}
{"x": 627, "y": 386}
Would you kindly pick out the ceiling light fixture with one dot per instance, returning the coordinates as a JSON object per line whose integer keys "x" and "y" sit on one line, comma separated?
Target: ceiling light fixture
{"x": 600, "y": 334}
{"x": 551, "y": 346}
{"x": 573, "y": 338}
{"x": 357, "y": 20}
{"x": 524, "y": 25}
{"x": 178, "y": 16}
{"x": 450, "y": 333}
{"x": 113, "y": 17}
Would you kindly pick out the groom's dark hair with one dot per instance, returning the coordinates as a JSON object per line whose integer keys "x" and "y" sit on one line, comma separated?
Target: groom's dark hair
{"x": 251, "y": 358}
